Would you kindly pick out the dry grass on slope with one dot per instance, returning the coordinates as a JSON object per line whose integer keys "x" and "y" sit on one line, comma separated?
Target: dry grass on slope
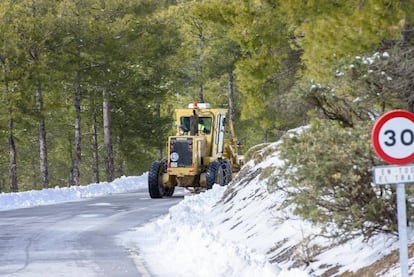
{"x": 381, "y": 267}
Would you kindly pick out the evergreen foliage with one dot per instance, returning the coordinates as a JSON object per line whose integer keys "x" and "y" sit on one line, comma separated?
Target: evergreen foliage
{"x": 330, "y": 31}
{"x": 98, "y": 46}
{"x": 328, "y": 169}
{"x": 330, "y": 164}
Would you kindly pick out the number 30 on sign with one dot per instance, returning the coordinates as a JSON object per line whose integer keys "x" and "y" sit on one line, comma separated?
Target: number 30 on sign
{"x": 393, "y": 137}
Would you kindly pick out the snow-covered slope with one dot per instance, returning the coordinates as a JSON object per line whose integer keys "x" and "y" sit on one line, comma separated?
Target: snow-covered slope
{"x": 245, "y": 230}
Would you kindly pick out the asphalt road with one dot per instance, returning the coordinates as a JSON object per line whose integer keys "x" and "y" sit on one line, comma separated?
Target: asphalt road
{"x": 78, "y": 238}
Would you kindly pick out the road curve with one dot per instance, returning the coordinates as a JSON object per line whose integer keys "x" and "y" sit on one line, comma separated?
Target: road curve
{"x": 77, "y": 238}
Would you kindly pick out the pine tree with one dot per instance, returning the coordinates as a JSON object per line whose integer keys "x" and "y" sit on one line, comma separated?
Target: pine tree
{"x": 329, "y": 31}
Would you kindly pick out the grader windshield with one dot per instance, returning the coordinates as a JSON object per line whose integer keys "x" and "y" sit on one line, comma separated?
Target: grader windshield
{"x": 204, "y": 124}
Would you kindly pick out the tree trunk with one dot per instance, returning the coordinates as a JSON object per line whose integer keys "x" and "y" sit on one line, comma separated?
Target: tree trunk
{"x": 119, "y": 160}
{"x": 200, "y": 94}
{"x": 12, "y": 147}
{"x": 95, "y": 149}
{"x": 200, "y": 46}
{"x": 13, "y": 163}
{"x": 158, "y": 111}
{"x": 42, "y": 141}
{"x": 231, "y": 97}
{"x": 109, "y": 160}
{"x": 72, "y": 161}
{"x": 34, "y": 54}
{"x": 77, "y": 104}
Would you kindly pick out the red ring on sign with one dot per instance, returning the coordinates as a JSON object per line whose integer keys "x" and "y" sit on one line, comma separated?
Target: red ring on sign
{"x": 376, "y": 132}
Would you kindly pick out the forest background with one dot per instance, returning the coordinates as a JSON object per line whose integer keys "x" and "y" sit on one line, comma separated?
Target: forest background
{"x": 88, "y": 87}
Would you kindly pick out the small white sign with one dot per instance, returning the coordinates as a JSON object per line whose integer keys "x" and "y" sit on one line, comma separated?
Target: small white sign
{"x": 391, "y": 174}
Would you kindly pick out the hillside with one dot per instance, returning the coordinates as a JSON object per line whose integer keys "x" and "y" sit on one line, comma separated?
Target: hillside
{"x": 198, "y": 235}
{"x": 294, "y": 243}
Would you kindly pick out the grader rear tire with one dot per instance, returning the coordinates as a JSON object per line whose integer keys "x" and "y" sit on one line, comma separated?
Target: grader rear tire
{"x": 226, "y": 165}
{"x": 215, "y": 175}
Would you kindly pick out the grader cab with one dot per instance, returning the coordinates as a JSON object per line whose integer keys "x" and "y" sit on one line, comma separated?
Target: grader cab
{"x": 203, "y": 152}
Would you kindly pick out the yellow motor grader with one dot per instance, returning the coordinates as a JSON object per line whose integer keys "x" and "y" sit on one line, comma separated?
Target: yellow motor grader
{"x": 203, "y": 152}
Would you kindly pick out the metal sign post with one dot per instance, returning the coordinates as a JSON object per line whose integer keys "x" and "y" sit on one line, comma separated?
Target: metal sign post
{"x": 393, "y": 140}
{"x": 391, "y": 174}
{"x": 402, "y": 229}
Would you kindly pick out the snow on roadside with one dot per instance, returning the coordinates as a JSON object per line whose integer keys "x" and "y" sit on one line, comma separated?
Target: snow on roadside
{"x": 189, "y": 244}
{"x": 226, "y": 231}
{"x": 239, "y": 230}
{"x": 59, "y": 195}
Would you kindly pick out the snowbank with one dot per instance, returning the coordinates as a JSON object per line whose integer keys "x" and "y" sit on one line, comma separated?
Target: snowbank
{"x": 58, "y": 195}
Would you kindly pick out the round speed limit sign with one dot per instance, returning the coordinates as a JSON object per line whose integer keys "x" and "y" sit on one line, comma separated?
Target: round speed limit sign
{"x": 393, "y": 137}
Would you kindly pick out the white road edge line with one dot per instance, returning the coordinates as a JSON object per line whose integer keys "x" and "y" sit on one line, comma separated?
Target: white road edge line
{"x": 139, "y": 263}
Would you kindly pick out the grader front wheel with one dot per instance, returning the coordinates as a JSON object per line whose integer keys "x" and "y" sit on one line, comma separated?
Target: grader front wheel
{"x": 155, "y": 186}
